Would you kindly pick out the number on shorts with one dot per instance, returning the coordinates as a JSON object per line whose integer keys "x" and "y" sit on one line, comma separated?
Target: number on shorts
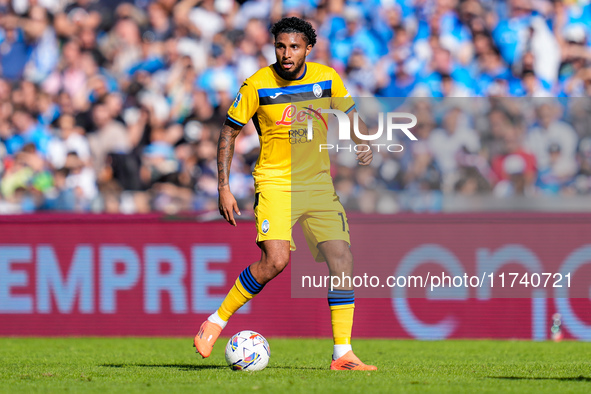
{"x": 342, "y": 219}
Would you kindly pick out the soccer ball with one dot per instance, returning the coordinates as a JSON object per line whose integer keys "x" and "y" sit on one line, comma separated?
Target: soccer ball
{"x": 248, "y": 350}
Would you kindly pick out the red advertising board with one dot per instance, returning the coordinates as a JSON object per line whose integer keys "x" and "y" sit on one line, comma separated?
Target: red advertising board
{"x": 149, "y": 276}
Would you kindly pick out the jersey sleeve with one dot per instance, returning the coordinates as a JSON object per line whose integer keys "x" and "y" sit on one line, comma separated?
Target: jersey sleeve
{"x": 244, "y": 105}
{"x": 341, "y": 99}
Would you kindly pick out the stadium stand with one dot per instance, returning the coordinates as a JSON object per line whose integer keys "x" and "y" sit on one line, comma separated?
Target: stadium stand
{"x": 110, "y": 106}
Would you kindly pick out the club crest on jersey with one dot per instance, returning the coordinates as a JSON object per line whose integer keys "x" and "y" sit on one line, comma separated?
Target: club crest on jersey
{"x": 265, "y": 226}
{"x": 317, "y": 90}
{"x": 237, "y": 100}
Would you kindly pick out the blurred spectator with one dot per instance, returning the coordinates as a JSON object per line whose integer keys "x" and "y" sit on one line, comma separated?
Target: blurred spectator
{"x": 68, "y": 138}
{"x": 471, "y": 183}
{"x": 582, "y": 181}
{"x": 27, "y": 130}
{"x": 447, "y": 142}
{"x": 109, "y": 136}
{"x": 513, "y": 146}
{"x": 551, "y": 130}
{"x": 554, "y": 178}
{"x": 516, "y": 182}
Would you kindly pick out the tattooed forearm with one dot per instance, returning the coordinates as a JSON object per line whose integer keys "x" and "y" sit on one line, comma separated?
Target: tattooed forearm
{"x": 225, "y": 152}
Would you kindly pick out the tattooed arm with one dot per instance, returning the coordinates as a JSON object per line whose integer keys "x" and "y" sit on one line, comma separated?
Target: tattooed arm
{"x": 227, "y": 203}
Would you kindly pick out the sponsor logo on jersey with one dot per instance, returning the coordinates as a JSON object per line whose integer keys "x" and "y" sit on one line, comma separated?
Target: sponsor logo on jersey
{"x": 291, "y": 114}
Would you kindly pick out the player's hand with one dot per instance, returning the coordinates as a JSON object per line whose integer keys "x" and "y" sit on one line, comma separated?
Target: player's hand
{"x": 365, "y": 158}
{"x": 228, "y": 205}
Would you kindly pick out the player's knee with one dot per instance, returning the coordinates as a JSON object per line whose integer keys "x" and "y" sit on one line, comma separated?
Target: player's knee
{"x": 341, "y": 262}
{"x": 344, "y": 256}
{"x": 276, "y": 263}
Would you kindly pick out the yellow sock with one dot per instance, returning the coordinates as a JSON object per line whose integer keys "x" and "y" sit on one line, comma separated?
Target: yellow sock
{"x": 342, "y": 323}
{"x": 245, "y": 288}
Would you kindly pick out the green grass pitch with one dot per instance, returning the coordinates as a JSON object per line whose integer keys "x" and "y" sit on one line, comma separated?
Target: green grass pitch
{"x": 169, "y": 365}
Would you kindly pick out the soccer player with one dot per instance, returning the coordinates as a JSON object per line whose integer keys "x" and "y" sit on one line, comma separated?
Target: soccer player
{"x": 292, "y": 180}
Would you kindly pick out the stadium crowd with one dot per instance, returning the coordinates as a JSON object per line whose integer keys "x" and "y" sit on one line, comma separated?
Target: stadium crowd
{"x": 110, "y": 106}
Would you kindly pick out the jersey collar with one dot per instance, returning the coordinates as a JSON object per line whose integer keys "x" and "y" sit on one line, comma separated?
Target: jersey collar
{"x": 275, "y": 65}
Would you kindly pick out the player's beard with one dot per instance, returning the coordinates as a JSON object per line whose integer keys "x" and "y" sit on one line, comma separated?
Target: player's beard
{"x": 291, "y": 74}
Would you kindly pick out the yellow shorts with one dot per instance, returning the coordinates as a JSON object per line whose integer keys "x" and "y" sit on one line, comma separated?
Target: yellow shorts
{"x": 320, "y": 213}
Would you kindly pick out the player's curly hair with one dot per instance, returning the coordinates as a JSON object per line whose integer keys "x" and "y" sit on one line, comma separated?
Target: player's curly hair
{"x": 295, "y": 25}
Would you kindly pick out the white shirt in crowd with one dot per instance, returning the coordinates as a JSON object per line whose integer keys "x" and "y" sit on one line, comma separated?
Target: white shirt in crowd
{"x": 539, "y": 139}
{"x": 445, "y": 146}
{"x": 58, "y": 149}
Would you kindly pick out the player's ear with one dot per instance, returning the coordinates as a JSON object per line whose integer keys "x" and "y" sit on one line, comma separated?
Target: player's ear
{"x": 308, "y": 49}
